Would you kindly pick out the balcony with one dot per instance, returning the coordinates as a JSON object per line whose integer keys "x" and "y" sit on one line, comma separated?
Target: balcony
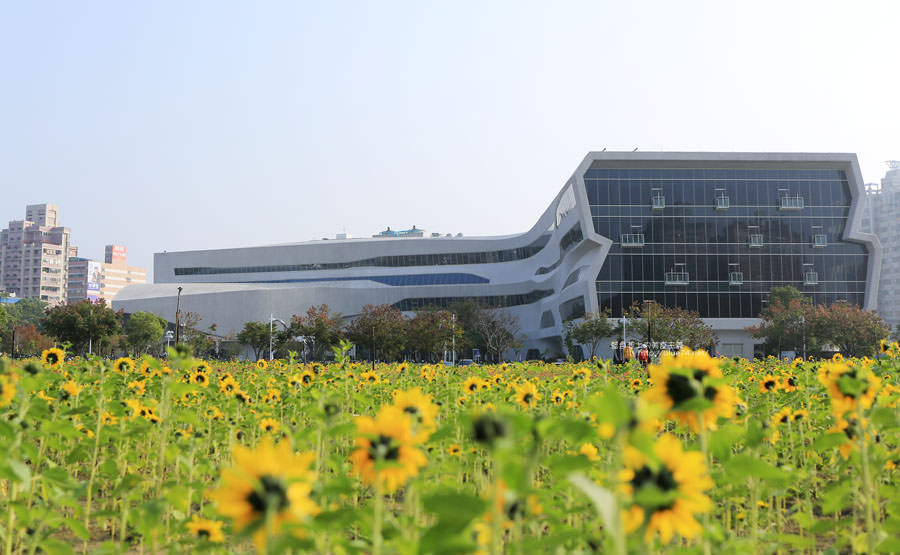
{"x": 755, "y": 241}
{"x": 632, "y": 240}
{"x": 657, "y": 202}
{"x": 735, "y": 278}
{"x": 722, "y": 202}
{"x": 677, "y": 277}
{"x": 790, "y": 203}
{"x": 820, "y": 241}
{"x": 811, "y": 278}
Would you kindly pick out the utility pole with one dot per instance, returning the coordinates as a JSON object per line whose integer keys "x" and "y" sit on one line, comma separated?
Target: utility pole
{"x": 178, "y": 317}
{"x": 271, "y": 323}
{"x": 453, "y": 336}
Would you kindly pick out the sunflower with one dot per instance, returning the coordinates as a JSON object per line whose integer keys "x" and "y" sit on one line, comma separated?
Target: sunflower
{"x": 269, "y": 480}
{"x": 636, "y": 384}
{"x": 200, "y": 379}
{"x": 261, "y": 364}
{"x": 789, "y": 383}
{"x": 472, "y": 385}
{"x": 799, "y": 415}
{"x": 850, "y": 387}
{"x": 71, "y": 389}
{"x": 497, "y": 379}
{"x": 421, "y": 411}
{"x": 213, "y": 413}
{"x": 307, "y": 378}
{"x": 109, "y": 419}
{"x": 384, "y": 453}
{"x": 691, "y": 377}
{"x": 139, "y": 387}
{"x": 557, "y": 396}
{"x": 370, "y": 377}
{"x": 590, "y": 451}
{"x": 209, "y": 530}
{"x": 581, "y": 374}
{"x": 7, "y": 391}
{"x": 124, "y": 365}
{"x": 883, "y": 346}
{"x": 674, "y": 490}
{"x": 146, "y": 369}
{"x": 527, "y": 395}
{"x": 768, "y": 384}
{"x": 454, "y": 450}
{"x": 53, "y": 358}
{"x": 269, "y": 425}
{"x": 228, "y": 385}
{"x": 242, "y": 396}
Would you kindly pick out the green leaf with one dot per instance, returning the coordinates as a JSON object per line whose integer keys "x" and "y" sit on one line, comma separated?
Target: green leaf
{"x": 826, "y": 442}
{"x": 836, "y": 497}
{"x": 651, "y": 496}
{"x": 78, "y": 528}
{"x": 722, "y": 440}
{"x": 611, "y": 407}
{"x": 21, "y": 471}
{"x": 747, "y": 466}
{"x": 794, "y": 540}
{"x": 603, "y": 499}
{"x": 451, "y": 506}
{"x": 54, "y": 546}
{"x": 562, "y": 465}
{"x": 884, "y": 418}
{"x": 890, "y": 545}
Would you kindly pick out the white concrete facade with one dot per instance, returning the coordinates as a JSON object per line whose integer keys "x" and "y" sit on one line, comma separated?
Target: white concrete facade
{"x": 532, "y": 274}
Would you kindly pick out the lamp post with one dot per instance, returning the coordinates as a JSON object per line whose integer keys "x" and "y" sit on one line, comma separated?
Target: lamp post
{"x": 272, "y": 320}
{"x": 178, "y": 317}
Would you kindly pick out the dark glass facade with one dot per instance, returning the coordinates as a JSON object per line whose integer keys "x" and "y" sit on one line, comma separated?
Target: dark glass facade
{"x": 483, "y": 301}
{"x": 770, "y": 227}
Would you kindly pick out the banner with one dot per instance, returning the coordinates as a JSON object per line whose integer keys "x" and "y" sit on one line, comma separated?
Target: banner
{"x": 94, "y": 271}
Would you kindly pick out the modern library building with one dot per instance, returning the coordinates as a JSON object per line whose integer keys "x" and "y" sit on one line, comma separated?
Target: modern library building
{"x": 710, "y": 232}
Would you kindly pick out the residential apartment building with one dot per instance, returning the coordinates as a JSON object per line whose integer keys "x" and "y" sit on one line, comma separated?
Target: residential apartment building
{"x": 34, "y": 255}
{"x": 95, "y": 280}
{"x": 880, "y": 218}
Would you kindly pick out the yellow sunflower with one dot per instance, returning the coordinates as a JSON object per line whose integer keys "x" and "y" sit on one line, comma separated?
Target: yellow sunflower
{"x": 209, "y": 530}
{"x": 228, "y": 385}
{"x": 269, "y": 480}
{"x": 527, "y": 395}
{"x": 581, "y": 373}
{"x": 7, "y": 391}
{"x": 269, "y": 425}
{"x": 124, "y": 365}
{"x": 53, "y": 358}
{"x": 676, "y": 482}
{"x": 454, "y": 450}
{"x": 421, "y": 411}
{"x": 71, "y": 389}
{"x": 384, "y": 452}
{"x": 262, "y": 364}
{"x": 472, "y": 385}
{"x": 689, "y": 380}
{"x": 850, "y": 387}
{"x": 769, "y": 384}
{"x": 307, "y": 378}
{"x": 370, "y": 377}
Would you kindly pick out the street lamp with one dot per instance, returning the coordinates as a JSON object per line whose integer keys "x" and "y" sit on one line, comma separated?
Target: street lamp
{"x": 272, "y": 320}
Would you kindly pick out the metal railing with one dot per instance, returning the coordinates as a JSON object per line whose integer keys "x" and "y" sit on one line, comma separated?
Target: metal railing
{"x": 677, "y": 277}
{"x": 820, "y": 241}
{"x": 632, "y": 240}
{"x": 811, "y": 278}
{"x": 755, "y": 240}
{"x": 657, "y": 202}
{"x": 722, "y": 202}
{"x": 736, "y": 278}
{"x": 790, "y": 203}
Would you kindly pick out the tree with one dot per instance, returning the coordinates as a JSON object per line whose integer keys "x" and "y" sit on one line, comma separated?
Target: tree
{"x": 83, "y": 324}
{"x": 256, "y": 336}
{"x": 590, "y": 332}
{"x": 382, "y": 328}
{"x": 145, "y": 330}
{"x": 653, "y": 324}
{"x": 466, "y": 316}
{"x": 28, "y": 341}
{"x": 26, "y": 311}
{"x": 786, "y": 323}
{"x": 499, "y": 329}
{"x": 432, "y": 332}
{"x": 854, "y": 331}
{"x": 321, "y": 327}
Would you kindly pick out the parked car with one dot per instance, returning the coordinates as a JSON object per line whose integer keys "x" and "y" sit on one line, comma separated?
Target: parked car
{"x": 466, "y": 362}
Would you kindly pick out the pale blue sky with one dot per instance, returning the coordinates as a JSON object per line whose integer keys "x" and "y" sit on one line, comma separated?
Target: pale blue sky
{"x": 172, "y": 125}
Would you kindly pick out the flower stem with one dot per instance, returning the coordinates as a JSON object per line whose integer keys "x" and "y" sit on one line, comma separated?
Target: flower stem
{"x": 378, "y": 518}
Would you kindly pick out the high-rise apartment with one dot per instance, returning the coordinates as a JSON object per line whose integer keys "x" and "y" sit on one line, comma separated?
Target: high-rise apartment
{"x": 95, "y": 280}
{"x": 880, "y": 218}
{"x": 34, "y": 255}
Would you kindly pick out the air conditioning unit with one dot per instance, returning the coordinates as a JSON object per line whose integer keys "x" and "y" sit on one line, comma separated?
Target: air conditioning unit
{"x": 677, "y": 277}
{"x": 811, "y": 278}
{"x": 735, "y": 278}
{"x": 755, "y": 241}
{"x": 820, "y": 241}
{"x": 722, "y": 202}
{"x": 788, "y": 202}
{"x": 632, "y": 240}
{"x": 657, "y": 202}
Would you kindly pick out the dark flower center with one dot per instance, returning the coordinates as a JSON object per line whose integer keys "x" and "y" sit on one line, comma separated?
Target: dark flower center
{"x": 664, "y": 480}
{"x": 271, "y": 493}
{"x": 527, "y": 398}
{"x": 203, "y": 533}
{"x": 384, "y": 449}
{"x": 473, "y": 386}
{"x": 680, "y": 388}
{"x": 769, "y": 384}
{"x": 52, "y": 358}
{"x": 792, "y": 381}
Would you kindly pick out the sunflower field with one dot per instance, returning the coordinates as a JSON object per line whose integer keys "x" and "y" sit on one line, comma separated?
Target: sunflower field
{"x": 691, "y": 454}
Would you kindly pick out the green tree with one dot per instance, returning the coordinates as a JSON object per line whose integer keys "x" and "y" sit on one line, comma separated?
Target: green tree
{"x": 854, "y": 331}
{"x": 256, "y": 336}
{"x": 653, "y": 324}
{"x": 26, "y": 311}
{"x": 590, "y": 332}
{"x": 320, "y": 326}
{"x": 144, "y": 330}
{"x": 786, "y": 323}
{"x": 83, "y": 324}
{"x": 431, "y": 332}
{"x": 382, "y": 329}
